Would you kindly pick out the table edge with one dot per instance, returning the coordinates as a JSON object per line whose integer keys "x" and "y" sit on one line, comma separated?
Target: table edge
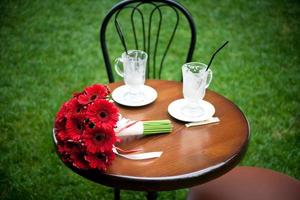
{"x": 166, "y": 183}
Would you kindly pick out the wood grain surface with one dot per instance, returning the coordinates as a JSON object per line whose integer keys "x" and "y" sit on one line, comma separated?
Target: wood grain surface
{"x": 190, "y": 156}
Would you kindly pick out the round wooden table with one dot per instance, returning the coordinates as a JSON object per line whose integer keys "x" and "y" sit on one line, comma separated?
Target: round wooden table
{"x": 191, "y": 156}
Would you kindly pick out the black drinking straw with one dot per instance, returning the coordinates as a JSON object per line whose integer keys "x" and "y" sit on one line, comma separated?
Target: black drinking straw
{"x": 120, "y": 33}
{"x": 213, "y": 56}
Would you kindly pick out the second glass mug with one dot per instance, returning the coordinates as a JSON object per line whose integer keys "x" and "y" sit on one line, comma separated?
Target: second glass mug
{"x": 134, "y": 70}
{"x": 195, "y": 81}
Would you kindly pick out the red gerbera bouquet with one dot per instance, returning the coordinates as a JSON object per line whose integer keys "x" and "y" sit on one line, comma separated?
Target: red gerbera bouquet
{"x": 84, "y": 129}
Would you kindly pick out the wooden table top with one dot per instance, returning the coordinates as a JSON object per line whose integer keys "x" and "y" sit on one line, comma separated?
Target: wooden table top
{"x": 190, "y": 156}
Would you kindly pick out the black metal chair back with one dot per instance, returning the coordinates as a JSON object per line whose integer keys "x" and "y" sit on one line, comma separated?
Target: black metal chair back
{"x": 154, "y": 66}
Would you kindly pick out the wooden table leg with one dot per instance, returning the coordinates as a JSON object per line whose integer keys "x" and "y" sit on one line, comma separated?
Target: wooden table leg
{"x": 151, "y": 195}
{"x": 117, "y": 193}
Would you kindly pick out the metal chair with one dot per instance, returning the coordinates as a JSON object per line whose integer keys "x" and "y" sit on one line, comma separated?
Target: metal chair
{"x": 154, "y": 66}
{"x": 145, "y": 39}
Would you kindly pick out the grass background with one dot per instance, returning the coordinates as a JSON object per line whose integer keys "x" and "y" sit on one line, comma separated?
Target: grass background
{"x": 50, "y": 49}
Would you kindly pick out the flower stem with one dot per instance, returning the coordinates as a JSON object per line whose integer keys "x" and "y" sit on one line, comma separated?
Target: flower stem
{"x": 157, "y": 127}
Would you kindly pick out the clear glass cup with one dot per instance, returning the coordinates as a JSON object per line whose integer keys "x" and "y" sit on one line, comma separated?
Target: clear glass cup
{"x": 195, "y": 81}
{"x": 133, "y": 71}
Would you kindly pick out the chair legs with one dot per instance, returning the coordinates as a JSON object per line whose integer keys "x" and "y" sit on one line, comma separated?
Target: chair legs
{"x": 117, "y": 193}
{"x": 151, "y": 195}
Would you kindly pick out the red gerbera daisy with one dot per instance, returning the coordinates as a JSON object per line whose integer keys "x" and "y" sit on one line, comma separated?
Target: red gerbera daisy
{"x": 84, "y": 129}
{"x": 103, "y": 113}
{"x": 75, "y": 126}
{"x": 100, "y": 160}
{"x": 72, "y": 152}
{"x": 75, "y": 107}
{"x": 92, "y": 93}
{"x": 61, "y": 135}
{"x": 77, "y": 94}
{"x": 60, "y": 123}
{"x": 78, "y": 160}
{"x": 99, "y": 140}
{"x": 65, "y": 148}
{"x": 61, "y": 117}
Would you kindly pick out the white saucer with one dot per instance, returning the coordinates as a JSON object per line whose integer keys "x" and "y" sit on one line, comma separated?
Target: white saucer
{"x": 175, "y": 110}
{"x": 119, "y": 93}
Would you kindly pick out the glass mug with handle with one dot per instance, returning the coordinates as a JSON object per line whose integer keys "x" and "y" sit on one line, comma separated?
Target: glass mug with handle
{"x": 134, "y": 64}
{"x": 195, "y": 81}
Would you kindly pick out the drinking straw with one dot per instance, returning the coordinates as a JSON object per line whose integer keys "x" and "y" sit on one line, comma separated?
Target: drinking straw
{"x": 213, "y": 56}
{"x": 120, "y": 33}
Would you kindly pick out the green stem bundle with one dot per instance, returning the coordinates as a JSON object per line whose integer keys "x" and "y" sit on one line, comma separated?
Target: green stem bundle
{"x": 157, "y": 127}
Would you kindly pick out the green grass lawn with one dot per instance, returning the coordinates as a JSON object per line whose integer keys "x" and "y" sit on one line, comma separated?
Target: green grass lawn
{"x": 50, "y": 49}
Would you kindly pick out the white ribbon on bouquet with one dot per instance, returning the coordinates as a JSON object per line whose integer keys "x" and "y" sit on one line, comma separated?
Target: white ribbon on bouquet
{"x": 139, "y": 156}
{"x": 126, "y": 127}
